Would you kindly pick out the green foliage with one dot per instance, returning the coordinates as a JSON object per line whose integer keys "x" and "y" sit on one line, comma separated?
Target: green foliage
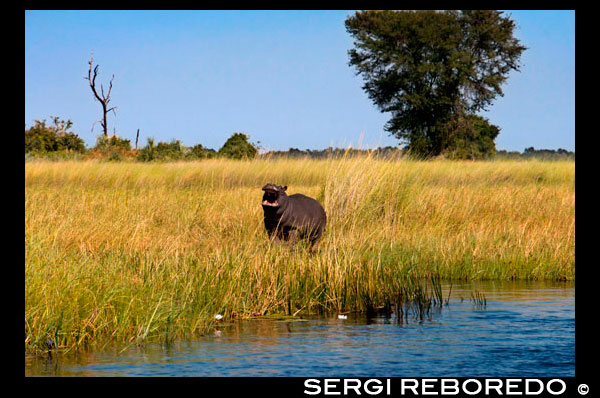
{"x": 169, "y": 150}
{"x": 473, "y": 138}
{"x": 71, "y": 141}
{"x": 199, "y": 152}
{"x": 432, "y": 70}
{"x": 112, "y": 147}
{"x": 147, "y": 153}
{"x": 108, "y": 144}
{"x": 42, "y": 139}
{"x": 163, "y": 151}
{"x": 238, "y": 147}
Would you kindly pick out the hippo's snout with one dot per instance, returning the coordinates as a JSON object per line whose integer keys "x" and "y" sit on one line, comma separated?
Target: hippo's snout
{"x": 272, "y": 204}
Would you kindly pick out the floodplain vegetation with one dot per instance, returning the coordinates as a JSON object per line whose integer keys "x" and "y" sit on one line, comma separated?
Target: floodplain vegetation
{"x": 125, "y": 253}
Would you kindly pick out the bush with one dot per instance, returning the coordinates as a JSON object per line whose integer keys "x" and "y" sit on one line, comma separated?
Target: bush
{"x": 41, "y": 139}
{"x": 238, "y": 147}
{"x": 112, "y": 148}
{"x": 199, "y": 152}
{"x": 163, "y": 151}
{"x": 107, "y": 144}
{"x": 169, "y": 151}
{"x": 72, "y": 142}
{"x": 146, "y": 154}
{"x": 474, "y": 138}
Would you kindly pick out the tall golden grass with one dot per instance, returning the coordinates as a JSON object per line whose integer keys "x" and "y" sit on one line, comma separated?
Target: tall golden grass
{"x": 124, "y": 252}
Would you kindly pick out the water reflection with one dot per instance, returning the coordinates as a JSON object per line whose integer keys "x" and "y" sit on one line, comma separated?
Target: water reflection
{"x": 526, "y": 329}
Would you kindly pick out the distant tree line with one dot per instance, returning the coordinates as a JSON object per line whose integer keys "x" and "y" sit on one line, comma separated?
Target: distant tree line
{"x": 532, "y": 153}
{"x": 55, "y": 141}
{"x": 390, "y": 152}
{"x": 330, "y": 152}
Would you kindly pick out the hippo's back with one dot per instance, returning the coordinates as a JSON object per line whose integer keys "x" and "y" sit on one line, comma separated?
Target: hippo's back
{"x": 305, "y": 204}
{"x": 307, "y": 212}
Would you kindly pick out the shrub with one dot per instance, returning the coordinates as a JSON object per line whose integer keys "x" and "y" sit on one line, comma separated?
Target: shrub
{"x": 72, "y": 142}
{"x": 474, "y": 138}
{"x": 200, "y": 152}
{"x": 173, "y": 150}
{"x": 107, "y": 144}
{"x": 146, "y": 154}
{"x": 112, "y": 148}
{"x": 238, "y": 147}
{"x": 42, "y": 139}
{"x": 169, "y": 150}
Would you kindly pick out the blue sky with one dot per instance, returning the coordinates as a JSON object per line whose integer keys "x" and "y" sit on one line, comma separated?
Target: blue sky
{"x": 282, "y": 77}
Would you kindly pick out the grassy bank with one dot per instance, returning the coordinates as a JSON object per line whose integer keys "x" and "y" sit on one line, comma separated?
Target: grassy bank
{"x": 124, "y": 252}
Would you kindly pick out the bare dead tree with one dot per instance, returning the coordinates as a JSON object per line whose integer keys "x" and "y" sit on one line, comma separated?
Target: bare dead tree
{"x": 136, "y": 138}
{"x": 103, "y": 98}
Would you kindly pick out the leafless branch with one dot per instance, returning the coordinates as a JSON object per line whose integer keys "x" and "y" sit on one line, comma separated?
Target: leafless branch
{"x": 97, "y": 121}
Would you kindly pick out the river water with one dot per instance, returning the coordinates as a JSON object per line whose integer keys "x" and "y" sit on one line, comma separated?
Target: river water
{"x": 526, "y": 329}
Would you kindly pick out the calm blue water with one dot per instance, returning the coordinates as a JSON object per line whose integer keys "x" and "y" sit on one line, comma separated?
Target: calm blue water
{"x": 526, "y": 330}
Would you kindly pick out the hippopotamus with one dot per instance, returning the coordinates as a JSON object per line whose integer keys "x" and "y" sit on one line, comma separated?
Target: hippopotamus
{"x": 292, "y": 217}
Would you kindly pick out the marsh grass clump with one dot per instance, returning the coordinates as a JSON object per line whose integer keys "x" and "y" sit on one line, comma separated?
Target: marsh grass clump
{"x": 417, "y": 297}
{"x": 124, "y": 253}
{"x": 478, "y": 299}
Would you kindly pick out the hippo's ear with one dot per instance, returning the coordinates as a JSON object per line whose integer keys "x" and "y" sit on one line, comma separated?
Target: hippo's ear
{"x": 284, "y": 188}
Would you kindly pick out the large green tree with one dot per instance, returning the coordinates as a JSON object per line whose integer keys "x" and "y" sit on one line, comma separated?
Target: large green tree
{"x": 433, "y": 70}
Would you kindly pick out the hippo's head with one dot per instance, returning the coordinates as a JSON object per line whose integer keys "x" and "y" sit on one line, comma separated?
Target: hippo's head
{"x": 274, "y": 196}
